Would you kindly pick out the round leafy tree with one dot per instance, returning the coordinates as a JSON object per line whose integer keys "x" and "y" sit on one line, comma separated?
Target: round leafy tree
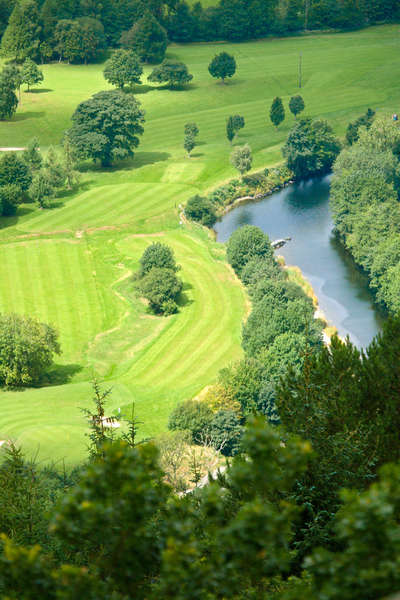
{"x": 27, "y": 348}
{"x": 172, "y": 72}
{"x": 30, "y": 73}
{"x": 161, "y": 287}
{"x": 296, "y": 105}
{"x": 157, "y": 255}
{"x": 277, "y": 112}
{"x": 123, "y": 68}
{"x": 106, "y": 127}
{"x": 225, "y": 432}
{"x": 222, "y": 66}
{"x": 241, "y": 159}
{"x": 147, "y": 38}
{"x": 246, "y": 243}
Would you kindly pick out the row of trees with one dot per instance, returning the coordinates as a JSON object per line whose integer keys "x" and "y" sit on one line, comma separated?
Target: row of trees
{"x": 365, "y": 204}
{"x": 78, "y": 30}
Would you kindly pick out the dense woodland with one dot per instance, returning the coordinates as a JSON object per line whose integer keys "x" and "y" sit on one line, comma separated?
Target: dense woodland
{"x": 80, "y": 30}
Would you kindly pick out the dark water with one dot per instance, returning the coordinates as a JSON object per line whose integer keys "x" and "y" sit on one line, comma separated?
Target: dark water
{"x": 302, "y": 213}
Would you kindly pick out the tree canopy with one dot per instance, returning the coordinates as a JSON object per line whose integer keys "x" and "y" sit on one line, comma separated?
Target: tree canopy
{"x": 172, "y": 72}
{"x": 223, "y": 65}
{"x": 106, "y": 127}
{"x": 147, "y": 38}
{"x": 123, "y": 68}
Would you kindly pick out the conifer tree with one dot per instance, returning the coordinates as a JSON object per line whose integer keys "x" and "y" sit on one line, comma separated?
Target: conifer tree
{"x": 21, "y": 38}
{"x": 277, "y": 112}
{"x": 147, "y": 38}
{"x": 32, "y": 155}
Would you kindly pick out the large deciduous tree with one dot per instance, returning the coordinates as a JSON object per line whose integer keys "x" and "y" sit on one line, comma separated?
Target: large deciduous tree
{"x": 223, "y": 65}
{"x": 30, "y": 73}
{"x": 247, "y": 243}
{"x": 106, "y": 127}
{"x": 27, "y": 348}
{"x": 79, "y": 40}
{"x": 147, "y": 38}
{"x": 123, "y": 68}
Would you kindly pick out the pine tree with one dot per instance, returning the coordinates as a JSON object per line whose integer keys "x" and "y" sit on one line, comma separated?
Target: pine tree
{"x": 32, "y": 155}
{"x": 21, "y": 38}
{"x": 147, "y": 38}
{"x": 277, "y": 112}
{"x": 189, "y": 143}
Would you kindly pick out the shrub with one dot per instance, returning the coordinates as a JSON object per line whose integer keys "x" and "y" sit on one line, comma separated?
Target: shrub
{"x": 201, "y": 209}
{"x": 27, "y": 348}
{"x": 157, "y": 255}
{"x": 246, "y": 243}
{"x": 260, "y": 268}
{"x": 193, "y": 416}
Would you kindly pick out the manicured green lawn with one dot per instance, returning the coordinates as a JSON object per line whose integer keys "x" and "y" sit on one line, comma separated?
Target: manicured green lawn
{"x": 72, "y": 265}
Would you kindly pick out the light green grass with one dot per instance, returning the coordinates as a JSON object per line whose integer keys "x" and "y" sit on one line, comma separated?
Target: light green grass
{"x": 72, "y": 265}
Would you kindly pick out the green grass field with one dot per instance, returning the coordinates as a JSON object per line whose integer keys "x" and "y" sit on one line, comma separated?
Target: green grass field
{"x": 71, "y": 266}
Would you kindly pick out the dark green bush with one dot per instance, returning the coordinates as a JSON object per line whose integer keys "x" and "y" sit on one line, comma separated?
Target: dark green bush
{"x": 201, "y": 209}
{"x": 193, "y": 416}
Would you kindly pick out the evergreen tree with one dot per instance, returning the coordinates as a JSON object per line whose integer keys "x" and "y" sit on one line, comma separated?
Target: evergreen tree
{"x": 71, "y": 174}
{"x": 42, "y": 188}
{"x": 181, "y": 24}
{"x": 32, "y": 155}
{"x": 10, "y": 80}
{"x": 277, "y": 112}
{"x": 30, "y": 73}
{"x": 189, "y": 143}
{"x": 21, "y": 38}
{"x": 147, "y": 38}
{"x": 233, "y": 125}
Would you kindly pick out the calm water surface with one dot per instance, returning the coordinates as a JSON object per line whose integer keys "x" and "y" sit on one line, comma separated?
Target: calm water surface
{"x": 302, "y": 213}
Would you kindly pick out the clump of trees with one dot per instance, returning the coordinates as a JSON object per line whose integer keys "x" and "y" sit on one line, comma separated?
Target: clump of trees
{"x": 27, "y": 349}
{"x": 157, "y": 281}
{"x": 79, "y": 40}
{"x": 311, "y": 148}
{"x": 173, "y": 73}
{"x": 123, "y": 68}
{"x": 353, "y": 128}
{"x": 106, "y": 127}
{"x": 364, "y": 199}
{"x": 222, "y": 66}
{"x": 201, "y": 209}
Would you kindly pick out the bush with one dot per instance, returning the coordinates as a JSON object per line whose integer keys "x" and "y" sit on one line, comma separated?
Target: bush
{"x": 161, "y": 287}
{"x": 27, "y": 348}
{"x": 193, "y": 416}
{"x": 201, "y": 209}
{"x": 246, "y": 243}
{"x": 157, "y": 255}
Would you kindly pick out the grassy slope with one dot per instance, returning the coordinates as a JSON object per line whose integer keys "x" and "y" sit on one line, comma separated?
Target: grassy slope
{"x": 71, "y": 265}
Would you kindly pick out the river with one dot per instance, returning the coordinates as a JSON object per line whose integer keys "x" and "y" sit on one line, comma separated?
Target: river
{"x": 301, "y": 211}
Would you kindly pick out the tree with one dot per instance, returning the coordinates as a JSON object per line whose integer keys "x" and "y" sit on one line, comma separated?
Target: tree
{"x": 245, "y": 244}
{"x": 79, "y": 40}
{"x": 21, "y": 38}
{"x": 30, "y": 73}
{"x": 311, "y": 148}
{"x": 296, "y": 105}
{"x": 106, "y": 127}
{"x": 71, "y": 174}
{"x": 14, "y": 171}
{"x": 157, "y": 255}
{"x": 189, "y": 143}
{"x": 193, "y": 416}
{"x": 10, "y": 78}
{"x": 27, "y": 348}
{"x": 32, "y": 155}
{"x": 8, "y": 103}
{"x": 223, "y": 65}
{"x": 352, "y": 131}
{"x": 191, "y": 129}
{"x": 172, "y": 72}
{"x": 241, "y": 158}
{"x": 147, "y": 38}
{"x": 123, "y": 68}
{"x": 233, "y": 125}
{"x": 201, "y": 209}
{"x": 55, "y": 169}
{"x": 10, "y": 196}
{"x": 42, "y": 188}
{"x": 182, "y": 24}
{"x": 277, "y": 112}
{"x": 161, "y": 287}
{"x": 225, "y": 432}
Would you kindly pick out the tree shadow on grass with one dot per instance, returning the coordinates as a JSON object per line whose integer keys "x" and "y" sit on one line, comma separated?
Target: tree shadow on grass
{"x": 139, "y": 89}
{"x": 39, "y": 91}
{"x": 27, "y": 115}
{"x": 183, "y": 299}
{"x": 61, "y": 374}
{"x": 140, "y": 159}
{"x": 13, "y": 219}
{"x": 197, "y": 155}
